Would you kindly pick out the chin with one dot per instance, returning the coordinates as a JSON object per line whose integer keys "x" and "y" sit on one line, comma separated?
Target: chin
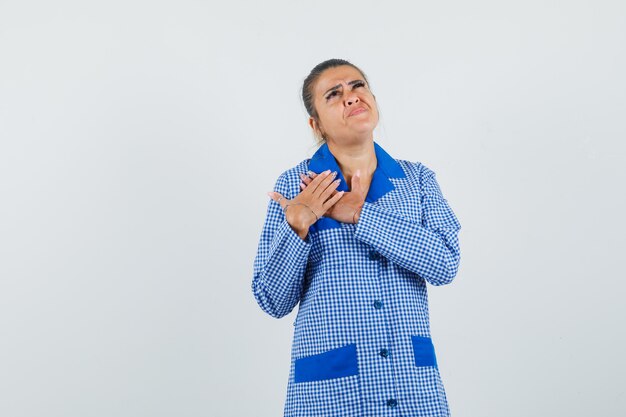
{"x": 365, "y": 127}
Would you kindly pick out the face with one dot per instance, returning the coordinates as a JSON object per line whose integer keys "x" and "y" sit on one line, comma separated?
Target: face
{"x": 345, "y": 105}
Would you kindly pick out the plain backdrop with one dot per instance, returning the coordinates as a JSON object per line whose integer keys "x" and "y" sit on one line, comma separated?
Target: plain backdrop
{"x": 138, "y": 140}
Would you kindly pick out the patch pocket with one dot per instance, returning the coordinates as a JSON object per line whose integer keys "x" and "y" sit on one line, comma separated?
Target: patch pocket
{"x": 334, "y": 363}
{"x": 424, "y": 351}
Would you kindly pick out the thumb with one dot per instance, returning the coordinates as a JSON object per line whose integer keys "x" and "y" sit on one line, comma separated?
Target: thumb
{"x": 356, "y": 182}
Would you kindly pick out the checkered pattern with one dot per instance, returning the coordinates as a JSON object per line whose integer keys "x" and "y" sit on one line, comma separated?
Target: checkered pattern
{"x": 362, "y": 284}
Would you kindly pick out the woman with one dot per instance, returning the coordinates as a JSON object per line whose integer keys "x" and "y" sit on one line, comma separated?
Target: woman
{"x": 354, "y": 235}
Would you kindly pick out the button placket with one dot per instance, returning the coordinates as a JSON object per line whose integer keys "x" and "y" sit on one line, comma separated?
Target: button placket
{"x": 378, "y": 304}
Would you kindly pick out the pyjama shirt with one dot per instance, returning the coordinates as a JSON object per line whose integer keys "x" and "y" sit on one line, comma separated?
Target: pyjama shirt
{"x": 361, "y": 343}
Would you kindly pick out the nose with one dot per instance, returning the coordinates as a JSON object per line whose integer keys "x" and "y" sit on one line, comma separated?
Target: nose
{"x": 352, "y": 99}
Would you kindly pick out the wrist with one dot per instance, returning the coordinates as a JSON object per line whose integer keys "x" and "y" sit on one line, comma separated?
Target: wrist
{"x": 357, "y": 214}
{"x": 302, "y": 220}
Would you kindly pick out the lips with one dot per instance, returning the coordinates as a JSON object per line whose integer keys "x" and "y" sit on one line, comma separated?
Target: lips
{"x": 357, "y": 111}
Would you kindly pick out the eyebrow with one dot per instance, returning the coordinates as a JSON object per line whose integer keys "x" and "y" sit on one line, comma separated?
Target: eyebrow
{"x": 339, "y": 86}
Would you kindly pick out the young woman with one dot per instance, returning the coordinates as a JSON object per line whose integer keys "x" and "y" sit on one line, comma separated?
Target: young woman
{"x": 354, "y": 235}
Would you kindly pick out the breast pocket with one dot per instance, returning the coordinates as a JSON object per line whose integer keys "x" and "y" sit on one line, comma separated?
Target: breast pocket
{"x": 335, "y": 363}
{"x": 424, "y": 351}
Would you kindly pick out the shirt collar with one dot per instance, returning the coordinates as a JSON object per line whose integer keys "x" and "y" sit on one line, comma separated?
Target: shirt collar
{"x": 387, "y": 167}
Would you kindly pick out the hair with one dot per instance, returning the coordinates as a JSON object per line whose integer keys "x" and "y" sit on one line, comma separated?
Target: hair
{"x": 311, "y": 79}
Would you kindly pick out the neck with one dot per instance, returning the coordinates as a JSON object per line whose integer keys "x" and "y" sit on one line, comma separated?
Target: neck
{"x": 355, "y": 156}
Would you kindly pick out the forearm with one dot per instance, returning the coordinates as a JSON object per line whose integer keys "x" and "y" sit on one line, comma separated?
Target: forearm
{"x": 432, "y": 254}
{"x": 279, "y": 270}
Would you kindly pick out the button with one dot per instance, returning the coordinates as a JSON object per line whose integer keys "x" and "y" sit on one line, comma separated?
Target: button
{"x": 392, "y": 402}
{"x": 384, "y": 353}
{"x": 374, "y": 256}
{"x": 378, "y": 304}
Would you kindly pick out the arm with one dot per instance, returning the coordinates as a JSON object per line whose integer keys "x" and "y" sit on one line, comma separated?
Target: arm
{"x": 280, "y": 261}
{"x": 430, "y": 249}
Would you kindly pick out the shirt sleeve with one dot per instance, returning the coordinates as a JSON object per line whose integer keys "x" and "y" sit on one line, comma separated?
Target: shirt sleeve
{"x": 281, "y": 260}
{"x": 430, "y": 249}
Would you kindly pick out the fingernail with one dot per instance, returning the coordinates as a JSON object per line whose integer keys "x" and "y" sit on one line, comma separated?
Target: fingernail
{"x": 310, "y": 173}
{"x": 334, "y": 173}
{"x": 327, "y": 171}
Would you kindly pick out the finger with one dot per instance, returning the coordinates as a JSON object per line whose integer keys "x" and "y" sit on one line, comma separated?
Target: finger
{"x": 318, "y": 180}
{"x": 305, "y": 179}
{"x": 324, "y": 183}
{"x": 331, "y": 201}
{"x": 278, "y": 197}
{"x": 329, "y": 190}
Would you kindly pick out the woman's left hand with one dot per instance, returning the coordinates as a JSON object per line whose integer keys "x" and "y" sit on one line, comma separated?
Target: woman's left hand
{"x": 348, "y": 208}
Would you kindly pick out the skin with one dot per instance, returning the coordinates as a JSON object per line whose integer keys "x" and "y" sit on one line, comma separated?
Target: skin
{"x": 337, "y": 92}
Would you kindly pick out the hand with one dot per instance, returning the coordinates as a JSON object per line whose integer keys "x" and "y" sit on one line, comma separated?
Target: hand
{"x": 312, "y": 202}
{"x": 349, "y": 208}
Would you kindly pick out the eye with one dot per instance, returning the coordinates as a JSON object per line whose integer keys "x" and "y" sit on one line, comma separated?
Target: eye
{"x": 359, "y": 84}
{"x": 332, "y": 94}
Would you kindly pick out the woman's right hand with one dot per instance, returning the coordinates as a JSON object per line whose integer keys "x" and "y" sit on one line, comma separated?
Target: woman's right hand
{"x": 311, "y": 204}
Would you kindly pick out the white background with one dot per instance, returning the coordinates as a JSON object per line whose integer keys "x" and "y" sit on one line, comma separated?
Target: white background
{"x": 138, "y": 140}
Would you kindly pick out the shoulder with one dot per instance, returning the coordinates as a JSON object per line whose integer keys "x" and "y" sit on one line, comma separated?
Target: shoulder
{"x": 416, "y": 171}
{"x": 288, "y": 182}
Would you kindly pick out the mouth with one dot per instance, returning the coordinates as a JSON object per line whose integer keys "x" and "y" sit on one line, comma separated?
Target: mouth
{"x": 357, "y": 111}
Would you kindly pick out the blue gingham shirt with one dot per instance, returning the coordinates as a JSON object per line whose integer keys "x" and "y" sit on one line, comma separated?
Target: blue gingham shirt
{"x": 361, "y": 343}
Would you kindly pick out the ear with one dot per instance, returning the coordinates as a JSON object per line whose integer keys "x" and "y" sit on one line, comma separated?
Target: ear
{"x": 315, "y": 126}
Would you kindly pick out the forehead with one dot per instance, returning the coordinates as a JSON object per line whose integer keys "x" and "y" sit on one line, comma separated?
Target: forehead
{"x": 337, "y": 75}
